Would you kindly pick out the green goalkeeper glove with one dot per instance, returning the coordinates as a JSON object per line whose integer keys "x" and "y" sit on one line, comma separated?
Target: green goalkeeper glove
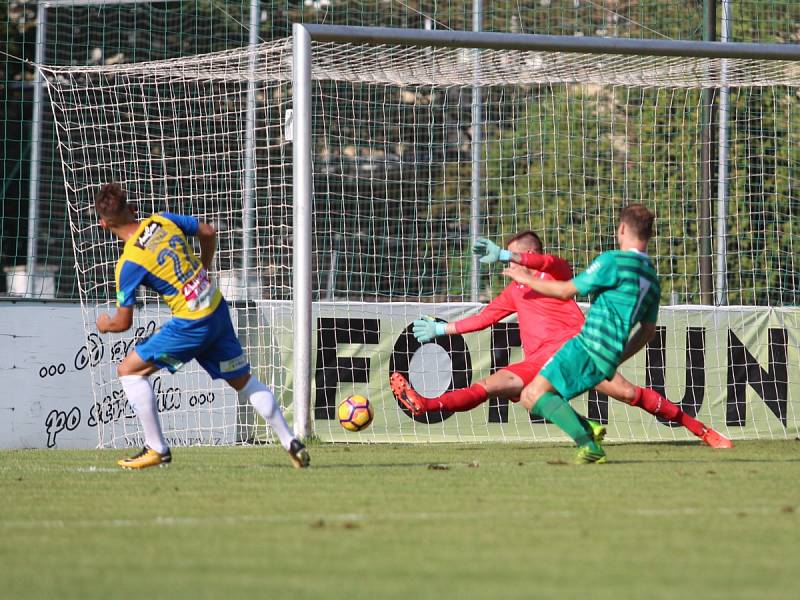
{"x": 427, "y": 328}
{"x": 490, "y": 252}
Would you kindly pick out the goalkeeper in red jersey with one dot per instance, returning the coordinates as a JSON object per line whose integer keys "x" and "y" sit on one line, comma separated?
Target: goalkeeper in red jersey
{"x": 545, "y": 324}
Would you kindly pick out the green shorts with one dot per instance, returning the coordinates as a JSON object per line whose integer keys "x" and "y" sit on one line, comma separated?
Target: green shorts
{"x": 571, "y": 370}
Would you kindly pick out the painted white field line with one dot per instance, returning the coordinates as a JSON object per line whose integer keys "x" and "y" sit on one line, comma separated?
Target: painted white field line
{"x": 96, "y": 469}
{"x": 37, "y": 469}
{"x": 313, "y": 518}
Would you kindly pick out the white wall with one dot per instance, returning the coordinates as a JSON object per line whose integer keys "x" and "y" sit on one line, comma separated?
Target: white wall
{"x": 45, "y": 388}
{"x": 46, "y": 398}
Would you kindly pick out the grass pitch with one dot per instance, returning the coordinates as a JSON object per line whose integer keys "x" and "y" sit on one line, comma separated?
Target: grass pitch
{"x": 390, "y": 521}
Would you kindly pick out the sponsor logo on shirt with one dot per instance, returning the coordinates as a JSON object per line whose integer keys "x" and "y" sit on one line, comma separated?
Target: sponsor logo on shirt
{"x": 199, "y": 292}
{"x": 152, "y": 233}
{"x": 593, "y": 267}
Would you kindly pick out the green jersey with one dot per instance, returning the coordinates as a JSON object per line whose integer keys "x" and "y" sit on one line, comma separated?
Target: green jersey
{"x": 624, "y": 290}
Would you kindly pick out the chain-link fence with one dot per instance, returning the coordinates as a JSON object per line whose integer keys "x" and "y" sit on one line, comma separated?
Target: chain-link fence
{"x": 117, "y": 32}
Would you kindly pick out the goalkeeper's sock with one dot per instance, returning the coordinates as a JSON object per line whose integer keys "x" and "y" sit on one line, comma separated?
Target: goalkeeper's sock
{"x": 555, "y": 409}
{"x": 654, "y": 403}
{"x": 143, "y": 401}
{"x": 263, "y": 400}
{"x": 459, "y": 400}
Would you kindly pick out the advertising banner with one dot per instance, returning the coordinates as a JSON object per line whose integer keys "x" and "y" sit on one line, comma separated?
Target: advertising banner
{"x": 735, "y": 368}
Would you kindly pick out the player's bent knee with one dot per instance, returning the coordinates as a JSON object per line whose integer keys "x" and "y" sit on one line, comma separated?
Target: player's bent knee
{"x": 533, "y": 391}
{"x": 134, "y": 365}
{"x": 627, "y": 396}
{"x": 124, "y": 369}
{"x": 528, "y": 398}
{"x": 623, "y": 391}
{"x": 238, "y": 383}
{"x": 504, "y": 385}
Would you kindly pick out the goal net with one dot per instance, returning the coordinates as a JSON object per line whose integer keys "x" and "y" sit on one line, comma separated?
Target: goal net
{"x": 568, "y": 139}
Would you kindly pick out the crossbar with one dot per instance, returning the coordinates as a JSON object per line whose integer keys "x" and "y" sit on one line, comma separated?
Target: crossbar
{"x": 551, "y": 43}
{"x": 101, "y": 3}
{"x": 303, "y": 192}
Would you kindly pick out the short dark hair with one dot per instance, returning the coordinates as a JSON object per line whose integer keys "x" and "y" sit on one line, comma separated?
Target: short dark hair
{"x": 111, "y": 201}
{"x": 639, "y": 218}
{"x": 537, "y": 241}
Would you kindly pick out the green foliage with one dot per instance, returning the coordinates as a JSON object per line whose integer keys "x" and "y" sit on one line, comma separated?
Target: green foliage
{"x": 563, "y": 160}
{"x": 564, "y": 169}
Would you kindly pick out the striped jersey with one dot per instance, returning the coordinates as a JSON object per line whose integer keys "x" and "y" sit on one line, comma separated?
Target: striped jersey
{"x": 624, "y": 290}
{"x": 159, "y": 257}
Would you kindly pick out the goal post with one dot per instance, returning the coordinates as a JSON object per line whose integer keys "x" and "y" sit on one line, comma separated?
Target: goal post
{"x": 302, "y": 195}
{"x": 711, "y": 60}
{"x": 362, "y": 216}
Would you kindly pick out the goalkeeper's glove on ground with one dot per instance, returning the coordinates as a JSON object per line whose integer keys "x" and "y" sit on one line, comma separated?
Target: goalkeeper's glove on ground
{"x": 427, "y": 328}
{"x": 490, "y": 252}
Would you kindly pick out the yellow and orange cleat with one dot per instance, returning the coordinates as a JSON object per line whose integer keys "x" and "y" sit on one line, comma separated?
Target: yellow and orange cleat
{"x": 146, "y": 457}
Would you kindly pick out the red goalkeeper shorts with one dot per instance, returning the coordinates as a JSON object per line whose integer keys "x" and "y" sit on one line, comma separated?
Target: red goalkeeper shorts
{"x": 530, "y": 367}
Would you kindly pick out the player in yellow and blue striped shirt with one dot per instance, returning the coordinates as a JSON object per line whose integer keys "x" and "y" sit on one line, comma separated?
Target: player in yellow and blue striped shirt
{"x": 157, "y": 254}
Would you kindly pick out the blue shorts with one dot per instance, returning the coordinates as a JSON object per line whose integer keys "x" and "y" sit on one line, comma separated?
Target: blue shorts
{"x": 211, "y": 341}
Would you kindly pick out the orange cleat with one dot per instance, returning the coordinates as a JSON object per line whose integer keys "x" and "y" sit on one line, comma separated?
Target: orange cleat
{"x": 406, "y": 395}
{"x": 715, "y": 440}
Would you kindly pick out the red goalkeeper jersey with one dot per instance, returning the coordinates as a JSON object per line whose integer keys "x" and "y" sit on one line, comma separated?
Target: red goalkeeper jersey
{"x": 543, "y": 322}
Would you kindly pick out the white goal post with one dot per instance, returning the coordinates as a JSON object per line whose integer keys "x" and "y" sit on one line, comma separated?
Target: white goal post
{"x": 328, "y": 263}
{"x": 556, "y": 59}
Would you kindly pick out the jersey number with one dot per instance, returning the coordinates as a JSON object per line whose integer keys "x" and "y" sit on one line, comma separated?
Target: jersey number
{"x": 644, "y": 287}
{"x": 177, "y": 243}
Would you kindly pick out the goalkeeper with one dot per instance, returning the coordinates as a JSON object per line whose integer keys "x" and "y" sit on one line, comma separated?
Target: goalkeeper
{"x": 545, "y": 324}
{"x": 158, "y": 255}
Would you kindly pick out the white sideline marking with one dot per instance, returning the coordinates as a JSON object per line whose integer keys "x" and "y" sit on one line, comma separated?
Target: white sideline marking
{"x": 35, "y": 469}
{"x": 95, "y": 470}
{"x": 365, "y": 518}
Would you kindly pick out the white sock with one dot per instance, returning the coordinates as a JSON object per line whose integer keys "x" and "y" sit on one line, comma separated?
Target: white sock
{"x": 141, "y": 398}
{"x": 262, "y": 398}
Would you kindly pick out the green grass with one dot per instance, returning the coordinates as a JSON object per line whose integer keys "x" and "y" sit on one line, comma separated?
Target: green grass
{"x": 495, "y": 521}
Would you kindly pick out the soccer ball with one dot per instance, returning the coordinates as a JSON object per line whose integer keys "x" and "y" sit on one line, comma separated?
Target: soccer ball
{"x": 355, "y": 413}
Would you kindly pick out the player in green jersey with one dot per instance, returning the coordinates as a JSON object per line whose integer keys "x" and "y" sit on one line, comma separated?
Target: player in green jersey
{"x": 624, "y": 290}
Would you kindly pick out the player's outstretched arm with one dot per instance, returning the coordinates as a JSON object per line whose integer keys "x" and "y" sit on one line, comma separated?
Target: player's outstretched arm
{"x": 428, "y": 328}
{"x": 208, "y": 243}
{"x": 489, "y": 252}
{"x": 552, "y": 288}
{"x": 638, "y": 340}
{"x": 120, "y": 321}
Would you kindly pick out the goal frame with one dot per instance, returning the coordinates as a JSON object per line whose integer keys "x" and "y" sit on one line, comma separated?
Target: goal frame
{"x": 302, "y": 149}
